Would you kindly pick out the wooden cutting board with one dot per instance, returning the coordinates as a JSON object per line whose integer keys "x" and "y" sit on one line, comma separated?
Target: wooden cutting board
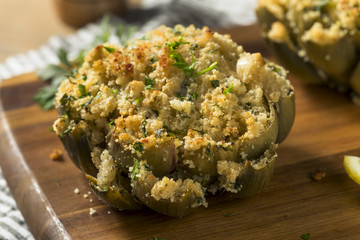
{"x": 327, "y": 127}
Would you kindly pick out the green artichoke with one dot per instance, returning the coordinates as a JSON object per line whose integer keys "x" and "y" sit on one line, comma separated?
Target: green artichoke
{"x": 316, "y": 40}
{"x": 173, "y": 116}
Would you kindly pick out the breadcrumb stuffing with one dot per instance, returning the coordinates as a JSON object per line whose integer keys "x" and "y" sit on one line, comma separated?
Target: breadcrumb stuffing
{"x": 92, "y": 212}
{"x": 56, "y": 155}
{"x": 76, "y": 191}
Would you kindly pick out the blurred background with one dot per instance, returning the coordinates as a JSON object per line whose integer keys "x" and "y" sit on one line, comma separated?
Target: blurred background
{"x": 29, "y": 24}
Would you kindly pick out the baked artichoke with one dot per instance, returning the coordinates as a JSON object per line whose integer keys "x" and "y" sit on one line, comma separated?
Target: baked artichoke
{"x": 173, "y": 116}
{"x": 317, "y": 40}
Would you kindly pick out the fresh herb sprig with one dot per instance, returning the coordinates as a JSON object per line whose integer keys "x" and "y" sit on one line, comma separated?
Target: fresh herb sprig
{"x": 55, "y": 74}
{"x": 179, "y": 61}
{"x": 305, "y": 236}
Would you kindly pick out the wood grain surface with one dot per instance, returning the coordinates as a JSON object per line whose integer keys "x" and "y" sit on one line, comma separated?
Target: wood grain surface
{"x": 327, "y": 127}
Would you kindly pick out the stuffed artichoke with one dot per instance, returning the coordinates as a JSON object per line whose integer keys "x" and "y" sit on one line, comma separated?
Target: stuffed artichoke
{"x": 173, "y": 116}
{"x": 317, "y": 40}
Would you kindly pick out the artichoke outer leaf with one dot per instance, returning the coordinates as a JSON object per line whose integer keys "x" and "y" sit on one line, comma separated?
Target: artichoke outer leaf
{"x": 254, "y": 148}
{"x": 183, "y": 206}
{"x": 115, "y": 196}
{"x": 161, "y": 159}
{"x": 291, "y": 60}
{"x": 266, "y": 17}
{"x": 77, "y": 146}
{"x": 256, "y": 174}
{"x": 336, "y": 60}
{"x": 285, "y": 110}
{"x": 355, "y": 79}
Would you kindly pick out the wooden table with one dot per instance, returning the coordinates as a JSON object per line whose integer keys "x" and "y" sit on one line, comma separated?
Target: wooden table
{"x": 327, "y": 126}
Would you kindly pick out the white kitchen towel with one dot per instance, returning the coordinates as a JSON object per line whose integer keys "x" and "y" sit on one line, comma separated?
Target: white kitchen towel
{"x": 212, "y": 13}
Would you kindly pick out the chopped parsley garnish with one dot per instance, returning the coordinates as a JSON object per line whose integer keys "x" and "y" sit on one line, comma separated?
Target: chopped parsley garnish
{"x": 215, "y": 83}
{"x": 211, "y": 67}
{"x": 166, "y": 129}
{"x": 157, "y": 238}
{"x": 199, "y": 200}
{"x": 275, "y": 68}
{"x": 111, "y": 123}
{"x": 182, "y": 98}
{"x": 229, "y": 214}
{"x": 213, "y": 50}
{"x": 109, "y": 49}
{"x": 305, "y": 236}
{"x": 195, "y": 95}
{"x": 226, "y": 148}
{"x": 98, "y": 95}
{"x": 114, "y": 91}
{"x": 179, "y": 62}
{"x": 175, "y": 45}
{"x": 194, "y": 46}
{"x": 138, "y": 146}
{"x": 192, "y": 97}
{"x": 66, "y": 99}
{"x": 209, "y": 151}
{"x": 87, "y": 102}
{"x": 136, "y": 169}
{"x": 149, "y": 83}
{"x": 138, "y": 100}
{"x": 82, "y": 90}
{"x": 229, "y": 89}
{"x": 152, "y": 60}
{"x": 84, "y": 77}
{"x": 69, "y": 129}
{"x": 58, "y": 182}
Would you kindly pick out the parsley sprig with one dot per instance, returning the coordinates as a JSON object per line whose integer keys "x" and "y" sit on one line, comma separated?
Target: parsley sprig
{"x": 55, "y": 74}
{"x": 228, "y": 90}
{"x": 305, "y": 236}
{"x": 179, "y": 61}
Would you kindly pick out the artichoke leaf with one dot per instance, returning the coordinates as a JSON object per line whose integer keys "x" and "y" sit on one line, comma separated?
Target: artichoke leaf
{"x": 185, "y": 202}
{"x": 115, "y": 195}
{"x": 255, "y": 147}
{"x": 336, "y": 59}
{"x": 161, "y": 158}
{"x": 285, "y": 111}
{"x": 252, "y": 176}
{"x": 77, "y": 146}
{"x": 204, "y": 160}
{"x": 354, "y": 79}
{"x": 292, "y": 61}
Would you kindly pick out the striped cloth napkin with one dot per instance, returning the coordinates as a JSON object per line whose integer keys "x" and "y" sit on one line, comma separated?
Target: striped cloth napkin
{"x": 212, "y": 13}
